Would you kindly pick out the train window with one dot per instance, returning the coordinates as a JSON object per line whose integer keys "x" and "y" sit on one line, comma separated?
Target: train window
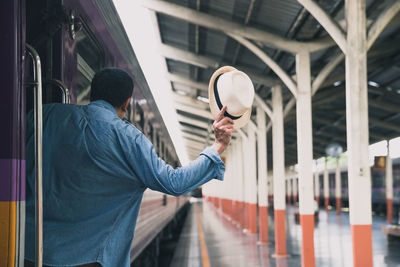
{"x": 90, "y": 59}
{"x": 150, "y": 132}
{"x": 138, "y": 117}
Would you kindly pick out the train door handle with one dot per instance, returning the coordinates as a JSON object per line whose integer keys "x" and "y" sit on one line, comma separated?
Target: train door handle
{"x": 38, "y": 120}
{"x": 62, "y": 87}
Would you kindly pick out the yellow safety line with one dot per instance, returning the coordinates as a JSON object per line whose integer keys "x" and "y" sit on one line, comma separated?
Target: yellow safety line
{"x": 204, "y": 253}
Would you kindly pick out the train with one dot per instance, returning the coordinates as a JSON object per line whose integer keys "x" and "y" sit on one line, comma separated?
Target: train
{"x": 60, "y": 45}
{"x": 378, "y": 183}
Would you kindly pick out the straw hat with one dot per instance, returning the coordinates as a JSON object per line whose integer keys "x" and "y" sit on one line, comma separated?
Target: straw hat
{"x": 234, "y": 89}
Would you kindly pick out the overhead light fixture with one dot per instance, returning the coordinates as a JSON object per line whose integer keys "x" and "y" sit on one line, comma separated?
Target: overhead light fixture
{"x": 203, "y": 99}
{"x": 374, "y": 84}
{"x": 337, "y": 83}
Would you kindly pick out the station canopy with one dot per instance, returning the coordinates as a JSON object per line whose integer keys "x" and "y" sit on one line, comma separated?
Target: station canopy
{"x": 196, "y": 40}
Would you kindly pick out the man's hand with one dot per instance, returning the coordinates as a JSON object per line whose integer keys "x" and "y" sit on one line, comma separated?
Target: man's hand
{"x": 223, "y": 129}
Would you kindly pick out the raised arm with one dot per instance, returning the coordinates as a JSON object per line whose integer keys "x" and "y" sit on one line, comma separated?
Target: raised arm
{"x": 157, "y": 175}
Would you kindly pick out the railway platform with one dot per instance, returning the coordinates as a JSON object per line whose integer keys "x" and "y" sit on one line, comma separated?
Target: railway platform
{"x": 211, "y": 238}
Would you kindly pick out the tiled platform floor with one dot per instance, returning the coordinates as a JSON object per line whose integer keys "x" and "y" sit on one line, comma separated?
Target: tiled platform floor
{"x": 227, "y": 245}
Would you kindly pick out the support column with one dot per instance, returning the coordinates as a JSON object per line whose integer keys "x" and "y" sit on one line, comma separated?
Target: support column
{"x": 271, "y": 189}
{"x": 278, "y": 173}
{"x": 316, "y": 186}
{"x": 358, "y": 133}
{"x": 289, "y": 192}
{"x": 241, "y": 183}
{"x": 251, "y": 204}
{"x": 235, "y": 187}
{"x": 226, "y": 202}
{"x": 338, "y": 187}
{"x": 262, "y": 175}
{"x": 294, "y": 191}
{"x": 305, "y": 157}
{"x": 389, "y": 186}
{"x": 326, "y": 185}
{"x": 246, "y": 181}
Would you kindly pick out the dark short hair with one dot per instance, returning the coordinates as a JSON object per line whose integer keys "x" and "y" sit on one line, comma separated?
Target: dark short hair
{"x": 112, "y": 85}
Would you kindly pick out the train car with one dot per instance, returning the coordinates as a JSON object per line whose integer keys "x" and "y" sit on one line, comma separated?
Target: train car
{"x": 59, "y": 45}
{"x": 378, "y": 188}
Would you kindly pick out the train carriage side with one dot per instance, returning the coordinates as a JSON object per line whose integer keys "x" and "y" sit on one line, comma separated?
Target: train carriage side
{"x": 74, "y": 39}
{"x": 378, "y": 188}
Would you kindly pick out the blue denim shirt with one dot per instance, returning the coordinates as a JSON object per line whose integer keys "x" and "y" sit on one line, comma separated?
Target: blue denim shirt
{"x": 95, "y": 170}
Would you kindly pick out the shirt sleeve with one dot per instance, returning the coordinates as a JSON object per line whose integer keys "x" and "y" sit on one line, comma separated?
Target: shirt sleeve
{"x": 155, "y": 174}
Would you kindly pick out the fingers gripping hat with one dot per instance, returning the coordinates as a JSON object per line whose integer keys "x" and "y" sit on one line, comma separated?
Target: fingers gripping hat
{"x": 234, "y": 89}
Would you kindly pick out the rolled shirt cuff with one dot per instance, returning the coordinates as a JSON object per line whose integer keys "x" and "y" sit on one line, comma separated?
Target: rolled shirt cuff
{"x": 214, "y": 156}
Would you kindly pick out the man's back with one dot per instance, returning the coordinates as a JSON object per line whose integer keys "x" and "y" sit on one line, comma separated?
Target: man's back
{"x": 95, "y": 170}
{"x": 87, "y": 184}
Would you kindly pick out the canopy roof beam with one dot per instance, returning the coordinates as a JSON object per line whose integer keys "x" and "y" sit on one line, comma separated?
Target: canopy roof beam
{"x": 287, "y": 80}
{"x": 207, "y": 62}
{"x": 219, "y": 24}
{"x": 191, "y": 121}
{"x": 330, "y": 25}
{"x": 195, "y": 111}
{"x": 375, "y": 30}
{"x": 189, "y": 82}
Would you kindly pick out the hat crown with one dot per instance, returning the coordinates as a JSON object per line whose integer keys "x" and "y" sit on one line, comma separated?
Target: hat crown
{"x": 236, "y": 91}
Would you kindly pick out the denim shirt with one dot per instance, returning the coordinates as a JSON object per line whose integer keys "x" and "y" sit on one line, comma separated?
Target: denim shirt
{"x": 95, "y": 170}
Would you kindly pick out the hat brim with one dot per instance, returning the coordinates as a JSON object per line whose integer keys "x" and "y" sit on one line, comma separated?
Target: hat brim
{"x": 244, "y": 119}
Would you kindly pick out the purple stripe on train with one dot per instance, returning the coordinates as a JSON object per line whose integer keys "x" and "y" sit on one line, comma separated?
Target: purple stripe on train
{"x": 12, "y": 180}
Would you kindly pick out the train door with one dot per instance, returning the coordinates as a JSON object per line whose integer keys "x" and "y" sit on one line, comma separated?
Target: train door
{"x": 12, "y": 120}
{"x": 32, "y": 55}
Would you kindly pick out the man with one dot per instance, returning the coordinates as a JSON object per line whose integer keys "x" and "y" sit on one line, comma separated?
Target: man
{"x": 95, "y": 169}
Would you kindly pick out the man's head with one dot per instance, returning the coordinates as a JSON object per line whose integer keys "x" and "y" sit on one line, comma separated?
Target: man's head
{"x": 114, "y": 86}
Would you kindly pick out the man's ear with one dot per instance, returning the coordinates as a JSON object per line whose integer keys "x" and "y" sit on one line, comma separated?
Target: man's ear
{"x": 125, "y": 105}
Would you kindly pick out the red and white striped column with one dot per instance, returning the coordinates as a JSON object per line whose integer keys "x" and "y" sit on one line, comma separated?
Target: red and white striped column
{"x": 226, "y": 200}
{"x": 326, "y": 185}
{"x": 305, "y": 157}
{"x": 278, "y": 173}
{"x": 295, "y": 190}
{"x": 262, "y": 175}
{"x": 251, "y": 180}
{"x": 389, "y": 186}
{"x": 270, "y": 188}
{"x": 338, "y": 187}
{"x": 316, "y": 185}
{"x": 235, "y": 186}
{"x": 358, "y": 133}
{"x": 289, "y": 191}
{"x": 241, "y": 183}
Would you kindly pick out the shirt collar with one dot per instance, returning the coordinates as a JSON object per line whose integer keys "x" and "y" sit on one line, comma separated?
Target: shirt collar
{"x": 104, "y": 104}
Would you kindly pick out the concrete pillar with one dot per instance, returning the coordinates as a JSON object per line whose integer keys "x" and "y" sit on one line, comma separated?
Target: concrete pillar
{"x": 289, "y": 191}
{"x": 294, "y": 190}
{"x": 358, "y": 133}
{"x": 241, "y": 183}
{"x": 160, "y": 148}
{"x": 262, "y": 175}
{"x": 389, "y": 186}
{"x": 164, "y": 152}
{"x": 154, "y": 137}
{"x": 316, "y": 186}
{"x": 278, "y": 173}
{"x": 326, "y": 185}
{"x": 217, "y": 198}
{"x": 234, "y": 189}
{"x": 251, "y": 181}
{"x": 305, "y": 156}
{"x": 270, "y": 188}
{"x": 236, "y": 184}
{"x": 226, "y": 201}
{"x": 338, "y": 187}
